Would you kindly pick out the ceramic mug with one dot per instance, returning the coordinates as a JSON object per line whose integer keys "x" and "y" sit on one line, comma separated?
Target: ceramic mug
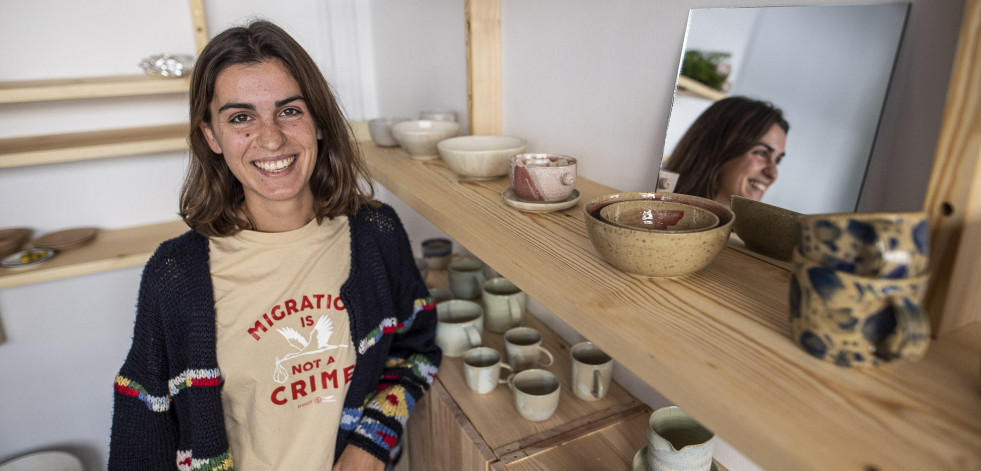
{"x": 536, "y": 393}
{"x": 437, "y": 252}
{"x": 523, "y": 346}
{"x": 856, "y": 321}
{"x": 380, "y": 130}
{"x": 676, "y": 442}
{"x": 884, "y": 245}
{"x": 440, "y": 295}
{"x": 466, "y": 277}
{"x": 504, "y": 305}
{"x": 592, "y": 370}
{"x": 542, "y": 177}
{"x": 482, "y": 369}
{"x": 458, "y": 326}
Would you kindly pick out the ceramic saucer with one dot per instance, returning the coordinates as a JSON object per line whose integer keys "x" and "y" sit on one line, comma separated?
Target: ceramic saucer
{"x": 641, "y": 464}
{"x": 26, "y": 258}
{"x": 534, "y": 207}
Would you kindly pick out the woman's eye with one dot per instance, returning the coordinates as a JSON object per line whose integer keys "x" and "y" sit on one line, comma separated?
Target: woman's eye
{"x": 291, "y": 112}
{"x": 239, "y": 118}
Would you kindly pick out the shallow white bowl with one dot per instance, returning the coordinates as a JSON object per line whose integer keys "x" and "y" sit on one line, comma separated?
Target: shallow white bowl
{"x": 480, "y": 157}
{"x": 419, "y": 137}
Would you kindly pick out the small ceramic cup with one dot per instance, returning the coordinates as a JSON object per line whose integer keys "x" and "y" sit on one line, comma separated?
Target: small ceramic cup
{"x": 524, "y": 350}
{"x": 536, "y": 393}
{"x": 437, "y": 252}
{"x": 458, "y": 326}
{"x": 883, "y": 245}
{"x": 482, "y": 369}
{"x": 380, "y": 130}
{"x": 438, "y": 115}
{"x": 542, "y": 177}
{"x": 676, "y": 442}
{"x": 592, "y": 370}
{"x": 856, "y": 321}
{"x": 423, "y": 268}
{"x": 504, "y": 305}
{"x": 466, "y": 277}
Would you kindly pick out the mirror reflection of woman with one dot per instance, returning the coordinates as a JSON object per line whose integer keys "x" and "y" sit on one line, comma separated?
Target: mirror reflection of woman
{"x": 733, "y": 148}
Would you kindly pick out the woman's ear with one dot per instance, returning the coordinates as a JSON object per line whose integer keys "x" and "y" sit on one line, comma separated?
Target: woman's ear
{"x": 209, "y": 136}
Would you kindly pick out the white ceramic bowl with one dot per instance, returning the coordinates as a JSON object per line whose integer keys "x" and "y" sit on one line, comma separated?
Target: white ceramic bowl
{"x": 480, "y": 157}
{"x": 419, "y": 137}
{"x": 657, "y": 253}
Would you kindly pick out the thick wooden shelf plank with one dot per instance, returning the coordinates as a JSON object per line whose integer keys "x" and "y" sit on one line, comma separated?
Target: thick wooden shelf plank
{"x": 35, "y": 150}
{"x": 715, "y": 342}
{"x": 22, "y": 91}
{"x": 111, "y": 250}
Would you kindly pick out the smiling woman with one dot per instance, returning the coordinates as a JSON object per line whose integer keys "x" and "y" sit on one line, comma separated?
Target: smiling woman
{"x": 733, "y": 148}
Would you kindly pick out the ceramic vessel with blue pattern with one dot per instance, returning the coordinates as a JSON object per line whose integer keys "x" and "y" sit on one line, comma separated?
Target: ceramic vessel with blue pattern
{"x": 882, "y": 245}
{"x": 856, "y": 321}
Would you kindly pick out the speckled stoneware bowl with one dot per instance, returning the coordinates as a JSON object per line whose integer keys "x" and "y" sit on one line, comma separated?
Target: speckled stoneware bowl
{"x": 657, "y": 253}
{"x": 654, "y": 215}
{"x": 767, "y": 229}
{"x": 480, "y": 157}
{"x": 419, "y": 137}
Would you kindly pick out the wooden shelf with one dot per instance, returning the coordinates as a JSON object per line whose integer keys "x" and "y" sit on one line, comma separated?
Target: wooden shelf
{"x": 111, "y": 250}
{"x": 35, "y": 150}
{"x": 23, "y": 91}
{"x": 699, "y": 89}
{"x": 716, "y": 342}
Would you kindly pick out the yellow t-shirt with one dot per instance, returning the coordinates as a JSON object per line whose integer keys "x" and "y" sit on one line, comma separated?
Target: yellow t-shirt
{"x": 284, "y": 343}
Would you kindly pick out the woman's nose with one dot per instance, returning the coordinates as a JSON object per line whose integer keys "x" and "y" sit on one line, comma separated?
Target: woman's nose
{"x": 271, "y": 136}
{"x": 771, "y": 170}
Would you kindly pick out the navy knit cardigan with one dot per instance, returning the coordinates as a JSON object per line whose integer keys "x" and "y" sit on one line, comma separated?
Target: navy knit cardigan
{"x": 167, "y": 403}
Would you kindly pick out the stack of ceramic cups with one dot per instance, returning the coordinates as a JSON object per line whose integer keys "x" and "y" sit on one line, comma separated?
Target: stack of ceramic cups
{"x": 857, "y": 287}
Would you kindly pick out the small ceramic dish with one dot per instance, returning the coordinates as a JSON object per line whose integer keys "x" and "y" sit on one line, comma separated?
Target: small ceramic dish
{"x": 380, "y": 130}
{"x": 537, "y": 207}
{"x": 480, "y": 157}
{"x": 767, "y": 229}
{"x": 26, "y": 258}
{"x": 640, "y": 462}
{"x": 657, "y": 253}
{"x": 419, "y": 137}
{"x": 659, "y": 216}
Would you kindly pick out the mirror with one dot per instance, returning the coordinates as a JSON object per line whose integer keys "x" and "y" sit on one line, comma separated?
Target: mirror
{"x": 827, "y": 67}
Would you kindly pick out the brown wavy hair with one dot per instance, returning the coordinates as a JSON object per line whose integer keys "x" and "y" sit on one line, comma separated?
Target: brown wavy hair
{"x": 727, "y": 129}
{"x": 211, "y": 198}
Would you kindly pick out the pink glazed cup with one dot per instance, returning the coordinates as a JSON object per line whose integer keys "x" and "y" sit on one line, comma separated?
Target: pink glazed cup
{"x": 542, "y": 177}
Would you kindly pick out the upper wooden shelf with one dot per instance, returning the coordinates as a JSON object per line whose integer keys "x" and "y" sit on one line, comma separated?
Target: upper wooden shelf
{"x": 111, "y": 249}
{"x": 716, "y": 342}
{"x": 699, "y": 89}
{"x": 22, "y": 91}
{"x": 35, "y": 150}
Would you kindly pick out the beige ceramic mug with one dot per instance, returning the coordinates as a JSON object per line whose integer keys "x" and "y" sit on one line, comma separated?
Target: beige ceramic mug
{"x": 482, "y": 369}
{"x": 466, "y": 277}
{"x": 536, "y": 393}
{"x": 458, "y": 326}
{"x": 592, "y": 370}
{"x": 504, "y": 305}
{"x": 523, "y": 346}
{"x": 676, "y": 442}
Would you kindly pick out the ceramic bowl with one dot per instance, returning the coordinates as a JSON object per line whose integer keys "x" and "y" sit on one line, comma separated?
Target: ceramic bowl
{"x": 542, "y": 178}
{"x": 480, "y": 157}
{"x": 659, "y": 216}
{"x": 767, "y": 229}
{"x": 12, "y": 239}
{"x": 380, "y": 130}
{"x": 419, "y": 137}
{"x": 657, "y": 253}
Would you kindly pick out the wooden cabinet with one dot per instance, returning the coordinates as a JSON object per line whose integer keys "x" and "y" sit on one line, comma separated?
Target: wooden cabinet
{"x": 716, "y": 342}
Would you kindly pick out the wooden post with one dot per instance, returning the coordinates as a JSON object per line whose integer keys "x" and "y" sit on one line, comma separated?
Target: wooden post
{"x": 483, "y": 27}
{"x": 199, "y": 24}
{"x": 953, "y": 199}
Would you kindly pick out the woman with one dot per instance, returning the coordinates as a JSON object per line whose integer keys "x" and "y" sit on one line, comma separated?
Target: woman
{"x": 289, "y": 329}
{"x": 733, "y": 148}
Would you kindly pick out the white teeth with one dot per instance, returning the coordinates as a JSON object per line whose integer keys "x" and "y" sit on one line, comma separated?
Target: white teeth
{"x": 758, "y": 186}
{"x": 275, "y": 165}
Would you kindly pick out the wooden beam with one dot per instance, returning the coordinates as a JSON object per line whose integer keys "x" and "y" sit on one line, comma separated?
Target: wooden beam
{"x": 483, "y": 27}
{"x": 199, "y": 24}
{"x": 953, "y": 199}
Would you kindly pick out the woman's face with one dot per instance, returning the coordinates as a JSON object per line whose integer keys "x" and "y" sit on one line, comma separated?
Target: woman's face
{"x": 750, "y": 174}
{"x": 261, "y": 125}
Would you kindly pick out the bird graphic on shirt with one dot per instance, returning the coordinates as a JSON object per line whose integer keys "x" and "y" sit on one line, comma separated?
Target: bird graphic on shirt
{"x": 322, "y": 331}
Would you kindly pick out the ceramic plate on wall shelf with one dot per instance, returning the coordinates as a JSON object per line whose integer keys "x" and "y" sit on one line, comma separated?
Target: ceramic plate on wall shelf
{"x": 26, "y": 258}
{"x": 538, "y": 207}
{"x": 641, "y": 463}
{"x": 66, "y": 239}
